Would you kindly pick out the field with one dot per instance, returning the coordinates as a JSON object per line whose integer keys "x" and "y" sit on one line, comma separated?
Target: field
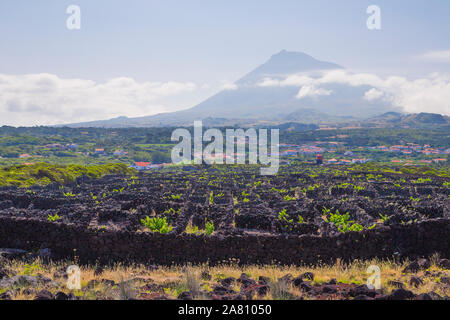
{"x": 98, "y": 146}
{"x": 234, "y": 200}
{"x": 230, "y": 218}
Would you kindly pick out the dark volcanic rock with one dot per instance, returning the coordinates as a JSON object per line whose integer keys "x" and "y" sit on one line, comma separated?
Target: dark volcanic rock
{"x": 287, "y": 277}
{"x": 60, "y": 274}
{"x": 258, "y": 289}
{"x": 5, "y": 296}
{"x": 263, "y": 280}
{"x": 19, "y": 281}
{"x": 44, "y": 295}
{"x": 3, "y": 273}
{"x": 307, "y": 276}
{"x": 329, "y": 288}
{"x": 444, "y": 263}
{"x": 332, "y": 281}
{"x": 98, "y": 271}
{"x": 362, "y": 290}
{"x": 246, "y": 281}
{"x": 415, "y": 281}
{"x": 401, "y": 294}
{"x": 423, "y": 296}
{"x": 185, "y": 296}
{"x": 363, "y": 297}
{"x": 415, "y": 266}
{"x": 396, "y": 284}
{"x": 306, "y": 286}
{"x": 61, "y": 296}
{"x": 206, "y": 276}
{"x": 297, "y": 282}
{"x": 8, "y": 253}
{"x": 227, "y": 282}
{"x": 221, "y": 291}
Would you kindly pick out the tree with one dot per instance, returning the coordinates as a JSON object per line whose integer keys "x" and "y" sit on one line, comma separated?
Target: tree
{"x": 160, "y": 157}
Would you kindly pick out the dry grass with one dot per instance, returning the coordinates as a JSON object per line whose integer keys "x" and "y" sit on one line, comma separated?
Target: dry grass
{"x": 177, "y": 279}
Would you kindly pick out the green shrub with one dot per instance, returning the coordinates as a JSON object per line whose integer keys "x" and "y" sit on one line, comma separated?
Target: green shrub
{"x": 53, "y": 218}
{"x": 44, "y": 173}
{"x": 283, "y": 216}
{"x": 342, "y": 222}
{"x": 288, "y": 198}
{"x": 209, "y": 228}
{"x": 157, "y": 224}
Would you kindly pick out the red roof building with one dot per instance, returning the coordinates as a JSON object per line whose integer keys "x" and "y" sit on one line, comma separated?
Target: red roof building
{"x": 142, "y": 164}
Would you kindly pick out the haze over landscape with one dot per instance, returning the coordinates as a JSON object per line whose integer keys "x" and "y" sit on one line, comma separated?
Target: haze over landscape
{"x": 318, "y": 171}
{"x": 293, "y": 86}
{"x": 293, "y": 62}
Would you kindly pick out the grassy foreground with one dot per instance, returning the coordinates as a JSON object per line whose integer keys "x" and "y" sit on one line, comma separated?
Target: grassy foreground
{"x": 140, "y": 282}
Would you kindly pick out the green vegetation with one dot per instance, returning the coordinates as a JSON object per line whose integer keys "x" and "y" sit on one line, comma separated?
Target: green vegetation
{"x": 342, "y": 222}
{"x": 283, "y": 216}
{"x": 44, "y": 174}
{"x": 88, "y": 146}
{"x": 157, "y": 224}
{"x": 422, "y": 180}
{"x": 190, "y": 229}
{"x": 32, "y": 269}
{"x": 53, "y": 218}
{"x": 288, "y": 198}
{"x": 171, "y": 212}
{"x": 209, "y": 229}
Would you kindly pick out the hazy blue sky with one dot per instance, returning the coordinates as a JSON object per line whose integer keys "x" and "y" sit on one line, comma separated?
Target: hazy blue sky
{"x": 209, "y": 42}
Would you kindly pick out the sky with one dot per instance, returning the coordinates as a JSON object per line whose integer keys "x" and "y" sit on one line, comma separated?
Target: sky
{"x": 142, "y": 57}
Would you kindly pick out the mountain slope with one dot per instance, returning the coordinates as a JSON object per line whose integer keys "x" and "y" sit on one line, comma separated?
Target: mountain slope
{"x": 414, "y": 120}
{"x": 253, "y": 102}
{"x": 285, "y": 63}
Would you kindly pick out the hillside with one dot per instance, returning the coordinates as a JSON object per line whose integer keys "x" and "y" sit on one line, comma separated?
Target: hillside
{"x": 251, "y": 101}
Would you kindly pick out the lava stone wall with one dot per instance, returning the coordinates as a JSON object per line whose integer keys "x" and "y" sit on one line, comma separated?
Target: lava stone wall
{"x": 421, "y": 239}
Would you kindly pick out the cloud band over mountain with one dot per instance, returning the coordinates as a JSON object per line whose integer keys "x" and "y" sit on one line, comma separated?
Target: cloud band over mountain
{"x": 286, "y": 83}
{"x": 38, "y": 99}
{"x": 431, "y": 94}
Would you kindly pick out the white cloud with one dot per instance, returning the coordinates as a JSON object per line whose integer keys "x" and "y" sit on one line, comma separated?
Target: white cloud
{"x": 436, "y": 56}
{"x": 430, "y": 94}
{"x": 226, "y": 85}
{"x": 312, "y": 91}
{"x": 373, "y": 94}
{"x": 39, "y": 99}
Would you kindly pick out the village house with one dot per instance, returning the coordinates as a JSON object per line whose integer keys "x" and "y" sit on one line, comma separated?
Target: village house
{"x": 72, "y": 146}
{"x": 24, "y": 155}
{"x": 141, "y": 165}
{"x": 289, "y": 153}
{"x": 120, "y": 153}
